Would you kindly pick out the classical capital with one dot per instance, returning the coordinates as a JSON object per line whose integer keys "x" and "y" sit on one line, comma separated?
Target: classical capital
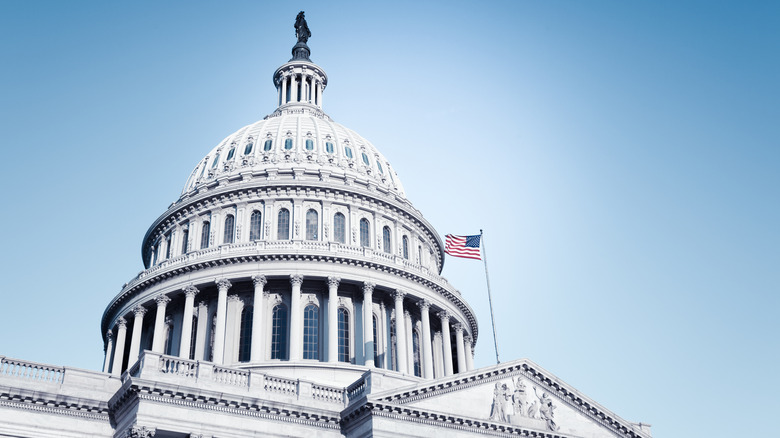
{"x": 139, "y": 311}
{"x": 399, "y": 295}
{"x": 223, "y": 283}
{"x": 203, "y": 304}
{"x": 259, "y": 280}
{"x": 121, "y": 323}
{"x": 468, "y": 339}
{"x": 234, "y": 297}
{"x": 368, "y": 287}
{"x": 190, "y": 291}
{"x": 444, "y": 316}
{"x": 458, "y": 327}
{"x": 334, "y": 281}
{"x": 162, "y": 300}
{"x": 424, "y": 305}
{"x": 296, "y": 279}
{"x": 168, "y": 320}
{"x": 140, "y": 432}
{"x": 407, "y": 314}
{"x": 109, "y": 335}
{"x": 437, "y": 336}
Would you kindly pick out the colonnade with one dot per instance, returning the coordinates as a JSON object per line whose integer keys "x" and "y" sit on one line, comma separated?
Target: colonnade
{"x": 301, "y": 87}
{"x": 435, "y": 357}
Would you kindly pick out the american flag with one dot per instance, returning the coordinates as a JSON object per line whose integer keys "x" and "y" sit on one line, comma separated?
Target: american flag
{"x": 463, "y": 246}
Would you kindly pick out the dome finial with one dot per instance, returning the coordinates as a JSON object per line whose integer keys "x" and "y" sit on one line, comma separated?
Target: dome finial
{"x": 301, "y": 51}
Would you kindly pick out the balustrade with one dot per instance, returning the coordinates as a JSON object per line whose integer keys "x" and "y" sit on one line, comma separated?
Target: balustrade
{"x": 31, "y": 371}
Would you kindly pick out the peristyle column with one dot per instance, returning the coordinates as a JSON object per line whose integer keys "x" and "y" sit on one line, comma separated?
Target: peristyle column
{"x": 135, "y": 338}
{"x": 469, "y": 353}
{"x": 333, "y": 319}
{"x": 425, "y": 307}
{"x": 446, "y": 342}
{"x": 368, "y": 324}
{"x": 186, "y": 324}
{"x": 109, "y": 350}
{"x": 159, "y": 324}
{"x": 119, "y": 348}
{"x": 400, "y": 331}
{"x": 258, "y": 311}
{"x": 296, "y": 320}
{"x": 223, "y": 284}
{"x": 459, "y": 347}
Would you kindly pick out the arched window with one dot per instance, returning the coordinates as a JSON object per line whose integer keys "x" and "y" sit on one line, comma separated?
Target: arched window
{"x": 255, "y": 225}
{"x": 211, "y": 338}
{"x": 329, "y": 147}
{"x": 309, "y": 144}
{"x": 386, "y": 240}
{"x": 185, "y": 238}
{"x": 231, "y": 153}
{"x": 339, "y": 228}
{"x": 312, "y": 225}
{"x": 416, "y": 353}
{"x": 365, "y": 159}
{"x": 283, "y": 225}
{"x": 406, "y": 247}
{"x": 419, "y": 254}
{"x": 279, "y": 332}
{"x": 216, "y": 160}
{"x": 230, "y": 229}
{"x": 245, "y": 335}
{"x": 365, "y": 239}
{"x": 204, "y": 235}
{"x": 311, "y": 328}
{"x": 348, "y": 152}
{"x": 288, "y": 144}
{"x": 379, "y": 166}
{"x": 167, "y": 246}
{"x": 248, "y": 148}
{"x": 376, "y": 346}
{"x": 343, "y": 335}
{"x": 168, "y": 348}
{"x": 268, "y": 144}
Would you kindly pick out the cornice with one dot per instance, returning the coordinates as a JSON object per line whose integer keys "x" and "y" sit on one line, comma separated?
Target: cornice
{"x": 87, "y": 409}
{"x": 136, "y": 391}
{"x": 180, "y": 270}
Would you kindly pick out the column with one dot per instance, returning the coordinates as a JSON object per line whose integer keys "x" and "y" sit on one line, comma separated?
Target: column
{"x": 223, "y": 284}
{"x": 425, "y": 307}
{"x": 447, "y": 343}
{"x": 409, "y": 327}
{"x": 119, "y": 348}
{"x": 135, "y": 338}
{"x": 258, "y": 311}
{"x": 333, "y": 319}
{"x": 109, "y": 350}
{"x": 368, "y": 324}
{"x": 459, "y": 348}
{"x": 400, "y": 331}
{"x": 293, "y": 88}
{"x": 158, "y": 342}
{"x": 318, "y": 93}
{"x": 284, "y": 92}
{"x": 296, "y": 318}
{"x": 186, "y": 323}
{"x": 438, "y": 359}
{"x": 200, "y": 335}
{"x": 469, "y": 353}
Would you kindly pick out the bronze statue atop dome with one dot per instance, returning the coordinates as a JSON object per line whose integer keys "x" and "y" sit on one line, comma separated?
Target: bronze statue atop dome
{"x": 301, "y": 28}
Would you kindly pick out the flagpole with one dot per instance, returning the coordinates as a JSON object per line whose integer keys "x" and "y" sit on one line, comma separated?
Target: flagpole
{"x": 490, "y": 299}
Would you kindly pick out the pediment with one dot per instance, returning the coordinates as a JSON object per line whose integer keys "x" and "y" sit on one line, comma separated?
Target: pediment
{"x": 518, "y": 394}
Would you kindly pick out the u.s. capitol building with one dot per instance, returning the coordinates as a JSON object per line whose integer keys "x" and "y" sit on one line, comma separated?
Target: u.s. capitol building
{"x": 293, "y": 290}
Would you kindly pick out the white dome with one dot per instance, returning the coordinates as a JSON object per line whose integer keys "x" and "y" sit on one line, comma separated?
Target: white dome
{"x": 295, "y": 138}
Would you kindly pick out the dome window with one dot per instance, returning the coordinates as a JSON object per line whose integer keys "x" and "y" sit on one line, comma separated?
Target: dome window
{"x": 268, "y": 144}
{"x": 329, "y": 147}
{"x": 288, "y": 144}
{"x": 365, "y": 239}
{"x": 379, "y": 166}
{"x": 309, "y": 144}
{"x": 348, "y": 152}
{"x": 248, "y": 148}
{"x": 216, "y": 160}
{"x": 365, "y": 159}
{"x": 231, "y": 153}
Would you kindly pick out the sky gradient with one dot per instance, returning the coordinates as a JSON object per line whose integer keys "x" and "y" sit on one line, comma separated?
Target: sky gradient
{"x": 621, "y": 157}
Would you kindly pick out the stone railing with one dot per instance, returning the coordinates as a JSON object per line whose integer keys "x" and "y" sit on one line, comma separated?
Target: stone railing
{"x": 216, "y": 377}
{"x": 31, "y": 371}
{"x": 276, "y": 247}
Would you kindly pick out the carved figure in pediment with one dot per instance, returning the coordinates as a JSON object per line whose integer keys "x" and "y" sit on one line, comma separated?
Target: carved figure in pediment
{"x": 520, "y": 398}
{"x": 533, "y": 410}
{"x": 547, "y": 410}
{"x": 501, "y": 402}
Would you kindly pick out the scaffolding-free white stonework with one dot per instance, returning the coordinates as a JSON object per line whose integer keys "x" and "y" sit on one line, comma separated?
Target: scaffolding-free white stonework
{"x": 293, "y": 290}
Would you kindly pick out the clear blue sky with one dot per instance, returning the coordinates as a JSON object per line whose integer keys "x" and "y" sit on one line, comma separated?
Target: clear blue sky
{"x": 622, "y": 157}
